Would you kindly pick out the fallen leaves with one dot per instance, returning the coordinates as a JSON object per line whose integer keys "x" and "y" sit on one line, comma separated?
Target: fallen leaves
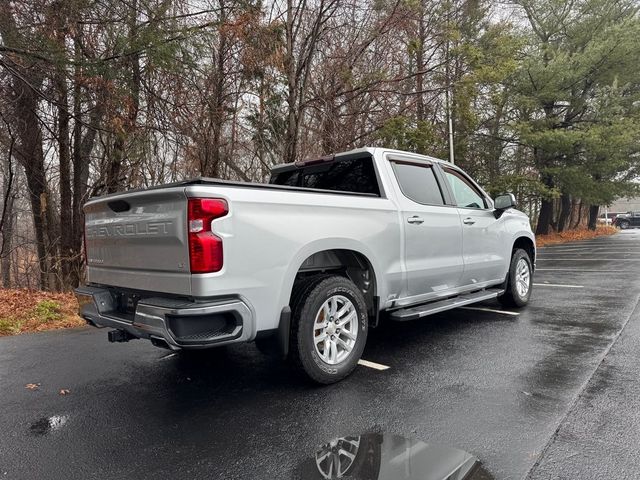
{"x": 36, "y": 386}
{"x": 574, "y": 235}
{"x": 24, "y": 310}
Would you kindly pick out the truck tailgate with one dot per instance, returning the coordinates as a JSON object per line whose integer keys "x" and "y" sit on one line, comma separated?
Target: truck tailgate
{"x": 139, "y": 240}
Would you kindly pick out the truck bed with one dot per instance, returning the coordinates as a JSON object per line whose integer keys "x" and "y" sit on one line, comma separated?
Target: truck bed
{"x": 231, "y": 183}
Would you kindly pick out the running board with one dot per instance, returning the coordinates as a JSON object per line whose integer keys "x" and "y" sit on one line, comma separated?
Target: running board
{"x": 413, "y": 313}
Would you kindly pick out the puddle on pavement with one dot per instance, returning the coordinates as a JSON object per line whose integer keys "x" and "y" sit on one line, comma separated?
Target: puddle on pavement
{"x": 375, "y": 456}
{"x": 47, "y": 425}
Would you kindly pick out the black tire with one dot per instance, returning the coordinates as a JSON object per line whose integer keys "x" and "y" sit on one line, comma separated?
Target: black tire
{"x": 512, "y": 296}
{"x": 624, "y": 225}
{"x": 307, "y": 304}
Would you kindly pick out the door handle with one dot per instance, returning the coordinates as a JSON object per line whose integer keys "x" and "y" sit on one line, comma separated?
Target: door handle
{"x": 468, "y": 221}
{"x": 415, "y": 219}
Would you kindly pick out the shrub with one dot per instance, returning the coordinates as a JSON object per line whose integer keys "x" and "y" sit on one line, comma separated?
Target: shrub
{"x": 9, "y": 326}
{"x": 47, "y": 311}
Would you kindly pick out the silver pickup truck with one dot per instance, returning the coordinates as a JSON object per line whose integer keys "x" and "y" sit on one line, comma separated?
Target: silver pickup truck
{"x": 306, "y": 264}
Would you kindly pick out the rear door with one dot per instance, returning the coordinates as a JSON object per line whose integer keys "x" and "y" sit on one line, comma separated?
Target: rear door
{"x": 139, "y": 240}
{"x": 485, "y": 251}
{"x": 432, "y": 230}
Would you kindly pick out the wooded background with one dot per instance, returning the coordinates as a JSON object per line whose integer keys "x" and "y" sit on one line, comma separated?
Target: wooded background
{"x": 98, "y": 96}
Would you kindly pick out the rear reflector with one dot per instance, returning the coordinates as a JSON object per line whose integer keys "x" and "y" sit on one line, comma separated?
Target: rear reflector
{"x": 205, "y": 248}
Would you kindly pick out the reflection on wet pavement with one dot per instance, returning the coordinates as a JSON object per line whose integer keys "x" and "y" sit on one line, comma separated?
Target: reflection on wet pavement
{"x": 375, "y": 456}
{"x": 47, "y": 425}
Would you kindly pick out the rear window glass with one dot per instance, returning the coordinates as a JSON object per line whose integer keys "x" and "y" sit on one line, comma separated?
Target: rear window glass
{"x": 418, "y": 183}
{"x": 353, "y": 175}
{"x": 290, "y": 178}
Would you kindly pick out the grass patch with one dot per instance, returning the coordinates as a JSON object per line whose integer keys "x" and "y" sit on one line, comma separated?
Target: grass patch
{"x": 9, "y": 326}
{"x": 574, "y": 235}
{"x": 33, "y": 311}
{"x": 47, "y": 311}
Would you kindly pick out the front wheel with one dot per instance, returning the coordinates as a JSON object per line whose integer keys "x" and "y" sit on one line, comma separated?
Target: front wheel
{"x": 623, "y": 225}
{"x": 519, "y": 280}
{"x": 329, "y": 328}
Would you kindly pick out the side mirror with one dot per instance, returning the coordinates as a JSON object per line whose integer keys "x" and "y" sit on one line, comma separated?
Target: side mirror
{"x": 504, "y": 202}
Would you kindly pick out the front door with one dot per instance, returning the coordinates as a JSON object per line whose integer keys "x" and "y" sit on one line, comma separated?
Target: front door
{"x": 432, "y": 231}
{"x": 486, "y": 255}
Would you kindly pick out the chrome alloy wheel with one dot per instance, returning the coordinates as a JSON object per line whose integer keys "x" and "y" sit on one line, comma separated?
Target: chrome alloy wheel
{"x": 523, "y": 277}
{"x": 336, "y": 457}
{"x": 335, "y": 329}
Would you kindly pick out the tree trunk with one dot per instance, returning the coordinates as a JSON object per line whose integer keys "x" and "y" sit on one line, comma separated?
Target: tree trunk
{"x": 31, "y": 157}
{"x": 130, "y": 115}
{"x": 291, "y": 135}
{"x": 420, "y": 65}
{"x": 578, "y": 220}
{"x": 574, "y": 211}
{"x": 7, "y": 220}
{"x": 217, "y": 111}
{"x": 565, "y": 212}
{"x": 64, "y": 156}
{"x": 25, "y": 81}
{"x": 593, "y": 216}
{"x": 545, "y": 217}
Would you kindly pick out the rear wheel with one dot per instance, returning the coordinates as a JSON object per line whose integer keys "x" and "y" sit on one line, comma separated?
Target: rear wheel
{"x": 519, "y": 280}
{"x": 623, "y": 225}
{"x": 329, "y": 328}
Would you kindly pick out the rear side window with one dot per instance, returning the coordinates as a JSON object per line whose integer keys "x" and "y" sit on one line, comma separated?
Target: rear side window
{"x": 418, "y": 183}
{"x": 353, "y": 175}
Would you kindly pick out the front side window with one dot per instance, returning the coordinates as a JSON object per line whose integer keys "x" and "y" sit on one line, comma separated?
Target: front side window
{"x": 418, "y": 183}
{"x": 465, "y": 194}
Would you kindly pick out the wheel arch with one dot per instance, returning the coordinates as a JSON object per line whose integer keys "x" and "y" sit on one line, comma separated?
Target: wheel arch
{"x": 347, "y": 263}
{"x": 344, "y": 258}
{"x": 528, "y": 245}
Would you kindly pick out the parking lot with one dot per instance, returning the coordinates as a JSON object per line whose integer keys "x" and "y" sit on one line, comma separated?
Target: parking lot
{"x": 550, "y": 391}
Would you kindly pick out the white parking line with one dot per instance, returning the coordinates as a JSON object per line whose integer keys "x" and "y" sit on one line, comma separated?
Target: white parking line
{"x": 374, "y": 365}
{"x": 168, "y": 355}
{"x": 482, "y": 309}
{"x": 556, "y": 285}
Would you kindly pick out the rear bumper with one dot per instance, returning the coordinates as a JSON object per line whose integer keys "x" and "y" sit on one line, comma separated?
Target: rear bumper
{"x": 176, "y": 323}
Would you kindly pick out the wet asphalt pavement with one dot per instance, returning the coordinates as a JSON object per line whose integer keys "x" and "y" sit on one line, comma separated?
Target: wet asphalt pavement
{"x": 550, "y": 393}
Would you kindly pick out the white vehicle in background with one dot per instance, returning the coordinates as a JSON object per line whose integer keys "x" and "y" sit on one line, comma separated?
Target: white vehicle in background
{"x": 305, "y": 264}
{"x": 605, "y": 219}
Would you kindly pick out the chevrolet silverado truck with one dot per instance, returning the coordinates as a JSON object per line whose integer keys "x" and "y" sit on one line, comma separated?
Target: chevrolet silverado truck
{"x": 305, "y": 264}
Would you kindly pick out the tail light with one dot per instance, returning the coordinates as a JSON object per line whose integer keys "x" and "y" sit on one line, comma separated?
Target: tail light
{"x": 205, "y": 248}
